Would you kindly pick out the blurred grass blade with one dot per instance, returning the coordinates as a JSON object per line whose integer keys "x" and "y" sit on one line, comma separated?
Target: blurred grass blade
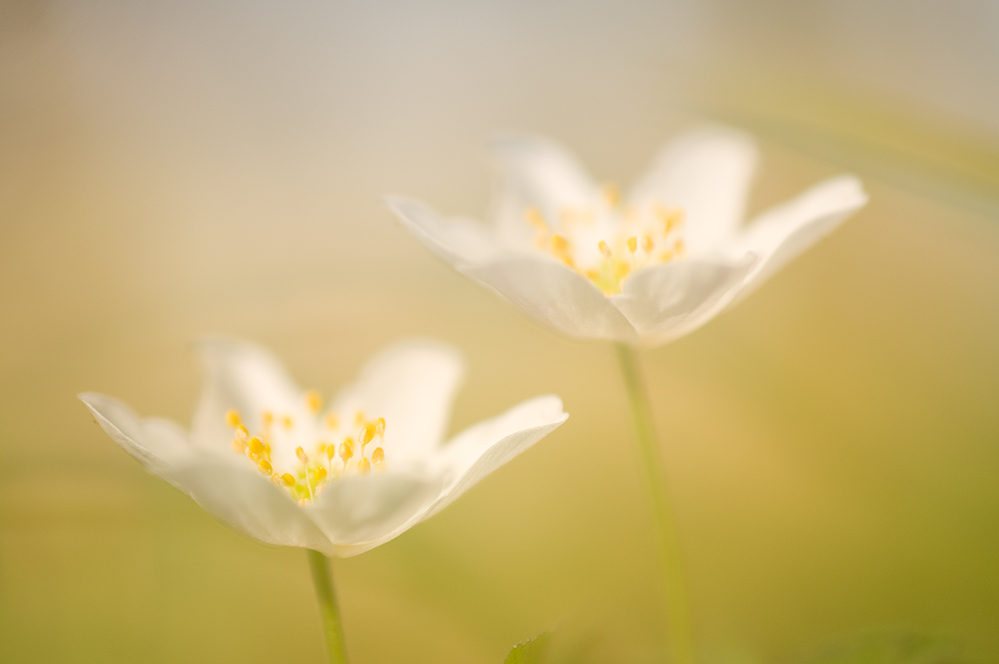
{"x": 890, "y": 649}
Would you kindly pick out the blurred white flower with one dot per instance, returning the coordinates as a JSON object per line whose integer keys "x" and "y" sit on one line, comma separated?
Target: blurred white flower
{"x": 266, "y": 459}
{"x": 644, "y": 269}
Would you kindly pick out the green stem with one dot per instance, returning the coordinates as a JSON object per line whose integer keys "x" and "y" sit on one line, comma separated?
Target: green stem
{"x": 322, "y": 579}
{"x": 678, "y": 627}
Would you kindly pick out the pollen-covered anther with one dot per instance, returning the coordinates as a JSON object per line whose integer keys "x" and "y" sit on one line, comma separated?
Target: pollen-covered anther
{"x": 632, "y": 244}
{"x": 380, "y": 427}
{"x": 256, "y": 446}
{"x": 604, "y": 248}
{"x": 242, "y": 434}
{"x": 232, "y": 418}
{"x": 302, "y": 456}
{"x": 378, "y": 456}
{"x": 363, "y": 466}
{"x": 319, "y": 475}
{"x": 265, "y": 467}
{"x": 346, "y": 450}
{"x": 647, "y": 244}
{"x": 288, "y": 479}
{"x": 367, "y": 434}
{"x": 313, "y": 400}
{"x": 238, "y": 446}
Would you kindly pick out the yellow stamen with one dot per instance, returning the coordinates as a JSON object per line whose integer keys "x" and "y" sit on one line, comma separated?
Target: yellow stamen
{"x": 242, "y": 435}
{"x": 647, "y": 244}
{"x": 313, "y": 400}
{"x": 533, "y": 216}
{"x": 265, "y": 467}
{"x": 380, "y": 427}
{"x": 346, "y": 450}
{"x": 330, "y": 452}
{"x": 633, "y": 244}
{"x": 232, "y": 418}
{"x": 604, "y": 249}
{"x": 559, "y": 243}
{"x": 288, "y": 479}
{"x": 256, "y": 446}
{"x": 238, "y": 446}
{"x": 363, "y": 467}
{"x": 378, "y": 456}
{"x": 302, "y": 456}
{"x": 367, "y": 433}
{"x": 319, "y": 475}
{"x": 611, "y": 193}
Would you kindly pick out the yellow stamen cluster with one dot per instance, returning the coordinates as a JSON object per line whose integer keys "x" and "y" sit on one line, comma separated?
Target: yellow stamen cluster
{"x": 625, "y": 238}
{"x": 313, "y": 472}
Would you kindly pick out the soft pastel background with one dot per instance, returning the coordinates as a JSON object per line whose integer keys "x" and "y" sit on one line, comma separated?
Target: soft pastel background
{"x": 169, "y": 169}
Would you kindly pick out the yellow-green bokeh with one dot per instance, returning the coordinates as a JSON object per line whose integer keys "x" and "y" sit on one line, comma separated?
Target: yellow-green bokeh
{"x": 168, "y": 171}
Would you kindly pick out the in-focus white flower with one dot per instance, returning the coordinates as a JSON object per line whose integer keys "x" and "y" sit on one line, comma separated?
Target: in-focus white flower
{"x": 643, "y": 269}
{"x": 264, "y": 457}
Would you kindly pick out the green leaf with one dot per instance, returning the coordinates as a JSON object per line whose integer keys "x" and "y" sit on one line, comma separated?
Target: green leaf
{"x": 531, "y": 651}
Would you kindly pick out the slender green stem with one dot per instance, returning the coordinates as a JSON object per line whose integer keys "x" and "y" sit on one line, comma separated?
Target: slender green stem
{"x": 322, "y": 579}
{"x": 678, "y": 627}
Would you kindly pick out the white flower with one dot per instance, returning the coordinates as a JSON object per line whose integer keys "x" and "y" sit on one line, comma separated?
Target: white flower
{"x": 263, "y": 457}
{"x": 644, "y": 269}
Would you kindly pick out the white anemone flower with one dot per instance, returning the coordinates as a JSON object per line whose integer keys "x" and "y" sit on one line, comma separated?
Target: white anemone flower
{"x": 642, "y": 269}
{"x": 265, "y": 458}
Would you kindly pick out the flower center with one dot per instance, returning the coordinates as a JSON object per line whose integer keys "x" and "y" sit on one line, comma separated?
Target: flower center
{"x": 326, "y": 448}
{"x": 608, "y": 241}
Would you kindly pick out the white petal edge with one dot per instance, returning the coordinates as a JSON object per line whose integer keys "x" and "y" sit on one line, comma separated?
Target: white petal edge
{"x": 706, "y": 171}
{"x": 534, "y": 172}
{"x": 360, "y": 513}
{"x": 245, "y": 377}
{"x": 412, "y": 384}
{"x": 554, "y": 295}
{"x": 782, "y": 233}
{"x": 668, "y": 301}
{"x": 455, "y": 241}
{"x": 475, "y": 453}
{"x": 238, "y": 497}
{"x": 154, "y": 442}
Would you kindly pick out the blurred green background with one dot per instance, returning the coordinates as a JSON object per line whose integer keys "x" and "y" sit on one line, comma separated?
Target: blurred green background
{"x": 174, "y": 169}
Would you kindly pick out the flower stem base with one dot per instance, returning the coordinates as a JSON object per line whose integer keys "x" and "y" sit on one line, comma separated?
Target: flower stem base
{"x": 322, "y": 579}
{"x": 678, "y": 626}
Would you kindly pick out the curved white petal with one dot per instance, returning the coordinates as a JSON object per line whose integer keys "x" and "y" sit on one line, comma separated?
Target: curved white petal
{"x": 412, "y": 385}
{"x": 782, "y": 233}
{"x": 455, "y": 241}
{"x": 246, "y": 501}
{"x": 484, "y": 447}
{"x": 231, "y": 490}
{"x": 360, "y": 513}
{"x": 707, "y": 172}
{"x": 241, "y": 376}
{"x": 154, "y": 442}
{"x": 554, "y": 294}
{"x": 668, "y": 301}
{"x": 535, "y": 172}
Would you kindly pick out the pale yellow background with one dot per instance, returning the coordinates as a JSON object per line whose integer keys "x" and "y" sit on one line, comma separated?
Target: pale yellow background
{"x": 174, "y": 169}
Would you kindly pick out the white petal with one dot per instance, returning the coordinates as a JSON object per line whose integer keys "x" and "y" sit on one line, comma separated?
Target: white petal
{"x": 707, "y": 172}
{"x": 782, "y": 233}
{"x": 243, "y": 499}
{"x": 535, "y": 172}
{"x": 484, "y": 447}
{"x": 154, "y": 442}
{"x": 231, "y": 490}
{"x": 244, "y": 377}
{"x": 554, "y": 294}
{"x": 412, "y": 385}
{"x": 360, "y": 513}
{"x": 456, "y": 241}
{"x": 668, "y": 301}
